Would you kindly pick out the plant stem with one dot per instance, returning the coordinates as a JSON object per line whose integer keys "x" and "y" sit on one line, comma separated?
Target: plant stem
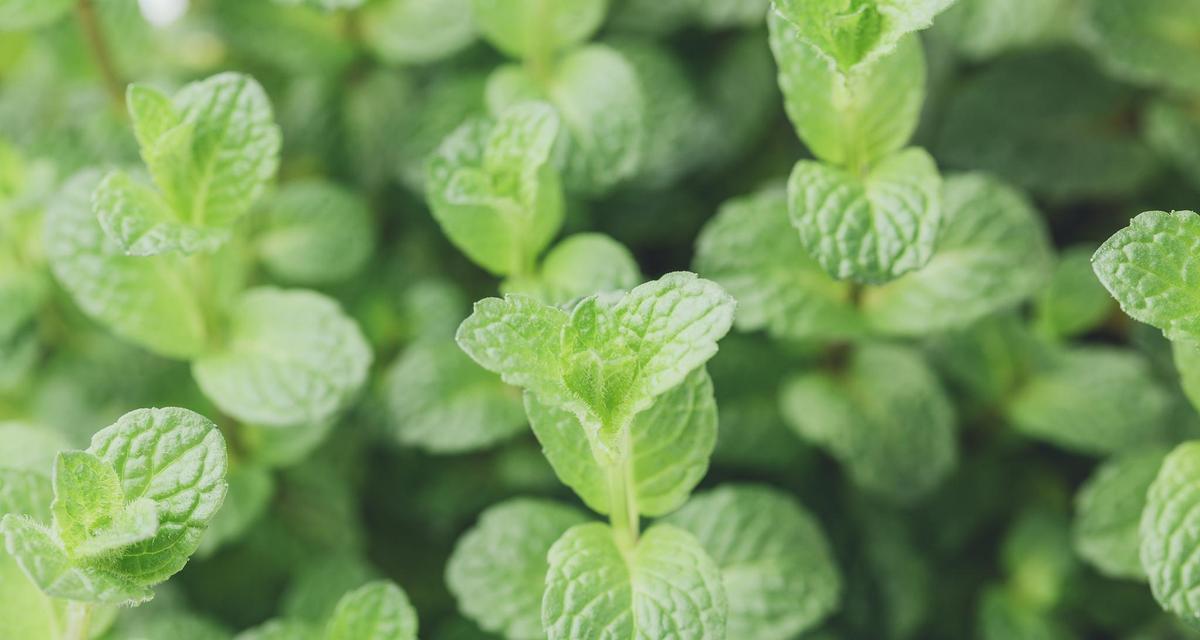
{"x": 79, "y": 616}
{"x": 92, "y": 30}
{"x": 622, "y": 501}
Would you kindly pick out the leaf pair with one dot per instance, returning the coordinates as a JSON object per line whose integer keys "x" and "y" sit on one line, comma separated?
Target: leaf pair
{"x": 127, "y": 512}
{"x": 852, "y": 32}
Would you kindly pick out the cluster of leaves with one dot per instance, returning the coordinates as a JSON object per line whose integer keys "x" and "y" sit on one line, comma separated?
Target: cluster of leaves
{"x": 795, "y": 319}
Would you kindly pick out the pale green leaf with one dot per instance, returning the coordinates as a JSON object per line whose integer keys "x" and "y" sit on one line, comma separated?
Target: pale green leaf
{"x": 884, "y": 416}
{"x": 751, "y": 249}
{"x": 87, "y": 496}
{"x": 152, "y": 112}
{"x": 376, "y": 611}
{"x": 534, "y": 28}
{"x": 20, "y": 15}
{"x": 27, "y": 493}
{"x": 291, "y": 356}
{"x": 671, "y": 443}
{"x": 850, "y": 118}
{"x": 417, "y": 31}
{"x": 850, "y": 32}
{"x": 579, "y": 266}
{"x": 518, "y": 338}
{"x": 993, "y": 252}
{"x": 872, "y": 228}
{"x": 1169, "y": 533}
{"x": 29, "y": 447}
{"x": 777, "y": 567}
{"x": 143, "y": 223}
{"x": 1108, "y": 509}
{"x": 664, "y": 587}
{"x": 497, "y": 572}
{"x": 136, "y": 522}
{"x": 25, "y": 612}
{"x": 316, "y": 232}
{"x": 1073, "y": 302}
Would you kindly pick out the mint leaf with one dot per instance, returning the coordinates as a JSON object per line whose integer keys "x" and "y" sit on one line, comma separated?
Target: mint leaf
{"x": 885, "y": 417}
{"x": 850, "y": 118}
{"x": 291, "y": 357}
{"x": 376, "y": 611}
{"x": 417, "y": 31}
{"x": 670, "y": 445}
{"x": 1145, "y": 266}
{"x": 497, "y": 572}
{"x": 518, "y": 338}
{"x": 993, "y": 252}
{"x": 1173, "y": 130}
{"x": 1168, "y": 532}
{"x": 143, "y": 223}
{"x": 751, "y": 249}
{"x": 1073, "y": 301}
{"x": 26, "y": 493}
{"x": 19, "y": 15}
{"x": 983, "y": 29}
{"x": 316, "y": 232}
{"x": 777, "y": 567}
{"x": 579, "y": 266}
{"x": 136, "y": 522}
{"x": 872, "y": 228}
{"x": 1108, "y": 509}
{"x": 280, "y": 629}
{"x": 850, "y": 32}
{"x": 1149, "y": 42}
{"x": 535, "y": 29}
{"x": 666, "y": 586}
{"x": 87, "y": 495}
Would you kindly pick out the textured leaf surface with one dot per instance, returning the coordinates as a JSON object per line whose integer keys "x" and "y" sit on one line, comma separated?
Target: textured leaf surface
{"x": 316, "y": 232}
{"x": 856, "y": 31}
{"x": 993, "y": 251}
{"x": 751, "y": 249}
{"x": 498, "y": 569}
{"x": 1169, "y": 538}
{"x": 291, "y": 357}
{"x": 45, "y": 563}
{"x": 1147, "y": 267}
{"x": 376, "y": 611}
{"x": 665, "y": 587}
{"x": 1108, "y": 509}
{"x": 87, "y": 494}
{"x": 671, "y": 443}
{"x": 778, "y": 569}
{"x": 142, "y": 222}
{"x": 872, "y": 229}
{"x": 885, "y": 418}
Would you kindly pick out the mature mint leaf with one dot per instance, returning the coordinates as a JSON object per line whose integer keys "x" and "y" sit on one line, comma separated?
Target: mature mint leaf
{"x": 579, "y": 266}
{"x": 1072, "y": 302}
{"x": 751, "y": 249}
{"x": 442, "y": 401}
{"x": 291, "y": 357}
{"x": 150, "y": 302}
{"x": 664, "y": 587}
{"x": 777, "y": 567}
{"x": 670, "y": 444}
{"x": 1096, "y": 400}
{"x": 376, "y": 611}
{"x": 849, "y": 118}
{"x": 1108, "y": 509}
{"x": 598, "y": 98}
{"x": 1168, "y": 532}
{"x": 497, "y": 572}
{"x": 850, "y": 32}
{"x": 1146, "y": 267}
{"x": 885, "y": 417}
{"x": 993, "y": 252}
{"x": 1150, "y": 42}
{"x": 870, "y": 228}
{"x": 536, "y": 29}
{"x": 417, "y": 31}
{"x": 316, "y": 232}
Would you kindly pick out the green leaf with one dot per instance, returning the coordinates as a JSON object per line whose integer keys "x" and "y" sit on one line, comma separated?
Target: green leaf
{"x": 149, "y": 302}
{"x": 376, "y": 611}
{"x": 884, "y": 416}
{"x": 664, "y": 587}
{"x": 27, "y": 493}
{"x": 535, "y": 29}
{"x": 982, "y": 29}
{"x": 1173, "y": 130}
{"x": 872, "y": 228}
{"x": 20, "y": 15}
{"x": 292, "y": 356}
{"x": 1108, "y": 509}
{"x": 152, "y": 113}
{"x": 1169, "y": 530}
{"x": 136, "y": 522}
{"x": 495, "y": 192}
{"x": 993, "y": 252}
{"x": 1003, "y": 616}
{"x": 25, "y": 611}
{"x": 279, "y": 629}
{"x": 143, "y": 223}
{"x": 579, "y": 266}
{"x": 251, "y": 488}
{"x": 1146, "y": 267}
{"x": 497, "y": 572}
{"x": 1151, "y": 42}
{"x": 1094, "y": 400}
{"x": 670, "y": 444}
{"x": 417, "y": 31}
{"x": 441, "y": 401}
{"x": 1073, "y": 302}
{"x": 850, "y": 32}
{"x": 850, "y": 119}
{"x": 315, "y": 233}
{"x": 751, "y": 249}
{"x": 87, "y": 495}
{"x": 29, "y": 447}
{"x": 597, "y": 96}
{"x": 777, "y": 567}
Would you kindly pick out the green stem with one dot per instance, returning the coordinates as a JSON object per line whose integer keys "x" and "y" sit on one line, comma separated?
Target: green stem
{"x": 79, "y": 616}
{"x": 101, "y": 55}
{"x": 622, "y": 501}
{"x": 537, "y": 57}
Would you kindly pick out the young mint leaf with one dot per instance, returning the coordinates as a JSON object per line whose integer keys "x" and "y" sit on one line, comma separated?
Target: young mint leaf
{"x": 152, "y": 112}
{"x": 603, "y": 128}
{"x": 291, "y": 357}
{"x": 1108, "y": 509}
{"x": 1145, "y": 266}
{"x": 885, "y": 417}
{"x": 1168, "y": 532}
{"x": 871, "y": 228}
{"x": 579, "y": 266}
{"x": 148, "y": 302}
{"x": 993, "y": 251}
{"x": 1072, "y": 302}
{"x": 315, "y": 233}
{"x": 376, "y": 611}
{"x": 751, "y": 249}
{"x": 417, "y": 31}
{"x": 143, "y": 223}
{"x": 850, "y": 32}
{"x": 497, "y": 572}
{"x": 849, "y": 118}
{"x": 536, "y": 29}
{"x": 442, "y": 401}
{"x": 664, "y": 587}
{"x": 777, "y": 567}
{"x": 671, "y": 443}
{"x": 87, "y": 496}
{"x": 134, "y": 523}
